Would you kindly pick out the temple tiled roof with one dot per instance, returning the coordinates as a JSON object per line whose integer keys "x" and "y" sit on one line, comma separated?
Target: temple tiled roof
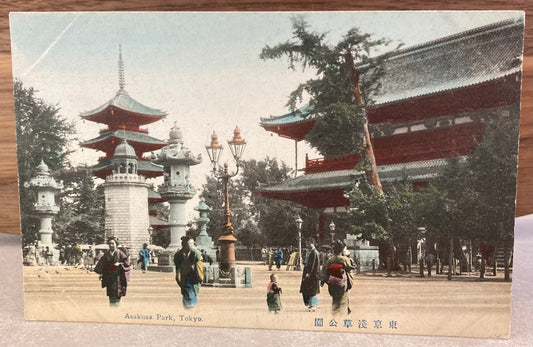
{"x": 320, "y": 181}
{"x": 466, "y": 59}
{"x": 298, "y": 115}
{"x": 130, "y": 136}
{"x": 153, "y": 195}
{"x": 413, "y": 171}
{"x": 142, "y": 166}
{"x": 125, "y": 102}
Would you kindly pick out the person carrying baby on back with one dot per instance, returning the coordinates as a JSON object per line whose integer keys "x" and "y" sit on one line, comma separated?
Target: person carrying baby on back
{"x": 274, "y": 294}
{"x": 338, "y": 274}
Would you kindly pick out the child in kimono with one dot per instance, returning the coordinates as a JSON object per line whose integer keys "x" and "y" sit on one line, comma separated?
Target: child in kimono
{"x": 273, "y": 294}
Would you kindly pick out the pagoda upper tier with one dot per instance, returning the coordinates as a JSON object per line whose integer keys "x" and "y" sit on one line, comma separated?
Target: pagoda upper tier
{"x": 472, "y": 70}
{"x": 124, "y": 112}
{"x": 124, "y": 116}
{"x": 108, "y": 141}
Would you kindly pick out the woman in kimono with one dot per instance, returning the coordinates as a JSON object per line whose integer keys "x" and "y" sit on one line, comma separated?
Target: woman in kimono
{"x": 278, "y": 258}
{"x": 189, "y": 271}
{"x": 144, "y": 257}
{"x": 114, "y": 270}
{"x": 338, "y": 274}
{"x": 310, "y": 286}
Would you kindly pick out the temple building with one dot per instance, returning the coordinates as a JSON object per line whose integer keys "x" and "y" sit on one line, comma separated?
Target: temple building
{"x": 124, "y": 167}
{"x": 433, "y": 104}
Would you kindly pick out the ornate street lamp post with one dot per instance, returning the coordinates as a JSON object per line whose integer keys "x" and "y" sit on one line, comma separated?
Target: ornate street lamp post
{"x": 299, "y": 222}
{"x": 332, "y": 231}
{"x": 227, "y": 239}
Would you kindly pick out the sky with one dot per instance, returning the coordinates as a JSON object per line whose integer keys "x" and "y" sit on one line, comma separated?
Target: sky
{"x": 202, "y": 68}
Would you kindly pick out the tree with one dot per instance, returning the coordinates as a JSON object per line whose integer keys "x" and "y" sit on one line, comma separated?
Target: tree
{"x": 275, "y": 219}
{"x": 341, "y": 93}
{"x": 347, "y": 81}
{"x": 42, "y": 134}
{"x": 492, "y": 171}
{"x": 390, "y": 218}
{"x": 257, "y": 220}
{"x": 474, "y": 198}
{"x": 82, "y": 209}
{"x": 213, "y": 193}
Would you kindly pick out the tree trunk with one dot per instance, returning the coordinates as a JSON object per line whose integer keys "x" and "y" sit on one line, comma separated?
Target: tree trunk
{"x": 368, "y": 152}
{"x": 450, "y": 260}
{"x": 507, "y": 260}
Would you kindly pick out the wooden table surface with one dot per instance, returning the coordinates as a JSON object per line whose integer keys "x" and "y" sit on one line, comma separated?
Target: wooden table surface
{"x": 9, "y": 219}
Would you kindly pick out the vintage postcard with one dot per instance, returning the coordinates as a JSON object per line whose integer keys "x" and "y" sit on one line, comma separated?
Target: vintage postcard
{"x": 324, "y": 171}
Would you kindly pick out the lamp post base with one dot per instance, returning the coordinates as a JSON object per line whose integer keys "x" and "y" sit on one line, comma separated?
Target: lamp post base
{"x": 227, "y": 254}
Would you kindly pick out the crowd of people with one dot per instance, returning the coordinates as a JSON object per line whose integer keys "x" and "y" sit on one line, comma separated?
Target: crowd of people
{"x": 336, "y": 271}
{"x": 72, "y": 255}
{"x": 114, "y": 267}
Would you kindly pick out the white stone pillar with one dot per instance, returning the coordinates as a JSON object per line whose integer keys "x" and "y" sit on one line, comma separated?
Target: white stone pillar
{"x": 177, "y": 223}
{"x": 46, "y": 231}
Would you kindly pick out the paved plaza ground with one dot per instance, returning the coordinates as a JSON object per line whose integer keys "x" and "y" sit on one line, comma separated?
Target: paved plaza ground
{"x": 402, "y": 304}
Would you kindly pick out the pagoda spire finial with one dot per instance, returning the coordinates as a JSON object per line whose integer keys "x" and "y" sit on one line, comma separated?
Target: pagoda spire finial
{"x": 121, "y": 77}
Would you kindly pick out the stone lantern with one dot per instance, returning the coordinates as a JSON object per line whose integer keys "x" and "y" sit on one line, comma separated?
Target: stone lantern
{"x": 176, "y": 188}
{"x": 45, "y": 207}
{"x": 204, "y": 241}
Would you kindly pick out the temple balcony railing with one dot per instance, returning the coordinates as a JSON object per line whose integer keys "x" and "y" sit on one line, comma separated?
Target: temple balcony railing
{"x": 124, "y": 177}
{"x": 133, "y": 128}
{"x": 331, "y": 164}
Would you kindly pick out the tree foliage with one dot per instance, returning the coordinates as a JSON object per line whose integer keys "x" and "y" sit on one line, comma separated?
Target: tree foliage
{"x": 256, "y": 220}
{"x": 331, "y": 94}
{"x": 393, "y": 216}
{"x": 82, "y": 211}
{"x": 42, "y": 134}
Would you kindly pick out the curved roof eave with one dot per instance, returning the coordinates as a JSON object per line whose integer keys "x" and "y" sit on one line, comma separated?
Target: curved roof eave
{"x": 125, "y": 102}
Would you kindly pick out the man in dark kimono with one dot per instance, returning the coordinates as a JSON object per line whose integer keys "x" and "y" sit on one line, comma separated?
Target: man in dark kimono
{"x": 114, "y": 269}
{"x": 189, "y": 271}
{"x": 310, "y": 286}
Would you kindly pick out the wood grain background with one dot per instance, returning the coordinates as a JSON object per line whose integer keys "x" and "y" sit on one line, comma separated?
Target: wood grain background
{"x": 9, "y": 220}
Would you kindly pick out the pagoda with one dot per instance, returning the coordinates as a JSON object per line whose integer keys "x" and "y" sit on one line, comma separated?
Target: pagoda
{"x": 123, "y": 117}
{"x": 124, "y": 166}
{"x": 433, "y": 104}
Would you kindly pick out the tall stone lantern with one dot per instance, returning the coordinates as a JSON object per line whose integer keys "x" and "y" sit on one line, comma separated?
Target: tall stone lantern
{"x": 203, "y": 240}
{"x": 45, "y": 207}
{"x": 176, "y": 160}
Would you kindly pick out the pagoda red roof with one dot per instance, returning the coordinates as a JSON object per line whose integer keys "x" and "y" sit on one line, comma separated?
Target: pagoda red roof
{"x": 107, "y": 142}
{"x": 123, "y": 111}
